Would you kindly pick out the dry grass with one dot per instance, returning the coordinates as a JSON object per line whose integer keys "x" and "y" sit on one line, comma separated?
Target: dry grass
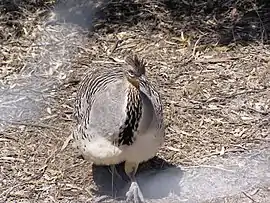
{"x": 215, "y": 92}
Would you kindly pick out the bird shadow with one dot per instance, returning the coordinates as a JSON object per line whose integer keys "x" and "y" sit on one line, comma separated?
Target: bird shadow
{"x": 156, "y": 178}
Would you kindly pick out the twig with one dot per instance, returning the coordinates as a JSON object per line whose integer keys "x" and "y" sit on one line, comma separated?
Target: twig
{"x": 11, "y": 72}
{"x": 195, "y": 46}
{"x": 248, "y": 196}
{"x": 35, "y": 125}
{"x": 227, "y": 150}
{"x": 243, "y": 92}
{"x": 12, "y": 159}
{"x": 216, "y": 60}
{"x": 261, "y": 22}
{"x": 66, "y": 142}
{"x": 8, "y": 191}
{"x": 115, "y": 46}
{"x": 263, "y": 139}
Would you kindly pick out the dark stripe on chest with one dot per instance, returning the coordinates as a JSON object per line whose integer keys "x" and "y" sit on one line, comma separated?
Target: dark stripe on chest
{"x": 134, "y": 113}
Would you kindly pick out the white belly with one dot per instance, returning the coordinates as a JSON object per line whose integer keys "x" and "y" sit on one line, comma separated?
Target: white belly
{"x": 102, "y": 152}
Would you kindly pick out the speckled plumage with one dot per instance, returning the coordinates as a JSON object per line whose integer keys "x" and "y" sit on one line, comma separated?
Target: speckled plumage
{"x": 119, "y": 118}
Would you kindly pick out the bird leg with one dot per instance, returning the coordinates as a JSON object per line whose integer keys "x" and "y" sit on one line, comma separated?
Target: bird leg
{"x": 113, "y": 171}
{"x": 134, "y": 193}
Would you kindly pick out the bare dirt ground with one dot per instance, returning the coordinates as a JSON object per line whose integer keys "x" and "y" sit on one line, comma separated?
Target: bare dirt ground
{"x": 210, "y": 61}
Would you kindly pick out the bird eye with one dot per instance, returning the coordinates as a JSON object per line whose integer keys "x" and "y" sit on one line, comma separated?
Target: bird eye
{"x": 131, "y": 74}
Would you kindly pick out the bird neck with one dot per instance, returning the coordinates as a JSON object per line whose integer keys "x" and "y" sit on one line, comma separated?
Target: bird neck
{"x": 134, "y": 113}
{"x": 133, "y": 97}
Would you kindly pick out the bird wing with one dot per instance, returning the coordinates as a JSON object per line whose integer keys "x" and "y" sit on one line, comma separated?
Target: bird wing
{"x": 152, "y": 106}
{"x": 147, "y": 113}
{"x": 107, "y": 113}
{"x": 100, "y": 104}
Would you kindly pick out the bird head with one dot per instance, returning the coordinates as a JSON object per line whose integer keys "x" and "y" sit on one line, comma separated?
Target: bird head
{"x": 138, "y": 65}
{"x": 136, "y": 70}
{"x": 133, "y": 78}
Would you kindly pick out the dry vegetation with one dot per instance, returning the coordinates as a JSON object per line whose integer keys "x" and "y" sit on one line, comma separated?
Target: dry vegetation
{"x": 210, "y": 61}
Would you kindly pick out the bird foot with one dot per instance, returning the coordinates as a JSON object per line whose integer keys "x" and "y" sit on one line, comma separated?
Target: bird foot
{"x": 101, "y": 199}
{"x": 134, "y": 194}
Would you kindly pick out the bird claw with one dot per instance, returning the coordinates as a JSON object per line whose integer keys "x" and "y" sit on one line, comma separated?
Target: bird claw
{"x": 134, "y": 194}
